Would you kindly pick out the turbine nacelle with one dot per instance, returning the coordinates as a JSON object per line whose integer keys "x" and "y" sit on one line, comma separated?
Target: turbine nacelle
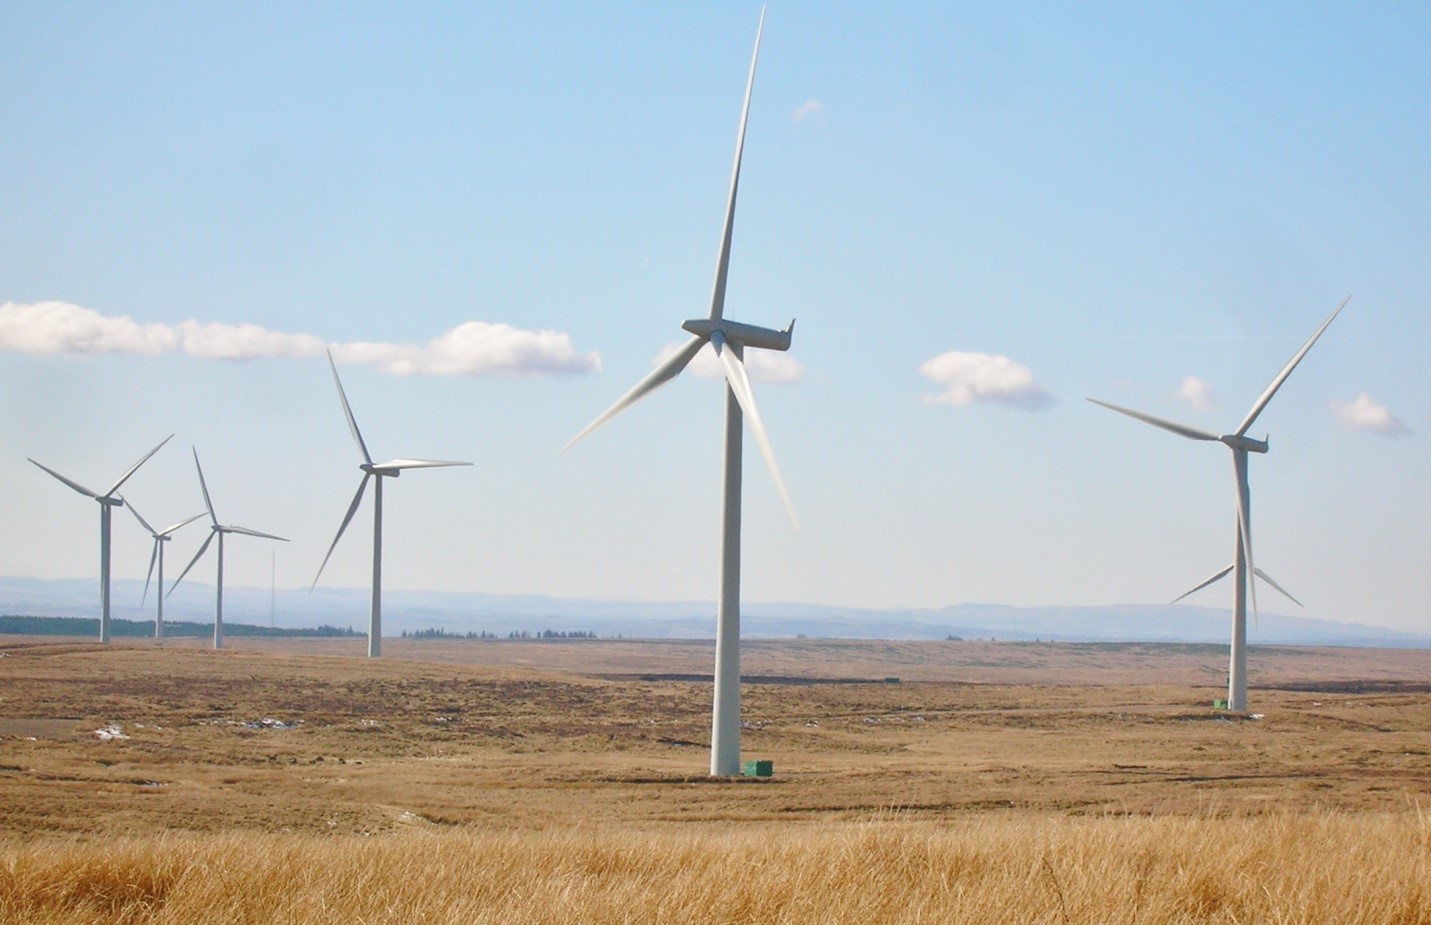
{"x": 1246, "y": 444}
{"x": 744, "y": 335}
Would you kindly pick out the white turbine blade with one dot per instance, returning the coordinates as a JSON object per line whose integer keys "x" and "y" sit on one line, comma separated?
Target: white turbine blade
{"x": 183, "y": 523}
{"x": 135, "y": 468}
{"x": 654, "y": 380}
{"x": 1182, "y": 430}
{"x": 1271, "y": 390}
{"x": 348, "y": 412}
{"x": 203, "y": 486}
{"x": 1214, "y": 578}
{"x": 1268, "y": 578}
{"x": 418, "y": 464}
{"x": 142, "y": 522}
{"x": 1245, "y": 529}
{"x": 153, "y": 557}
{"x": 740, "y": 385}
{"x": 197, "y": 556}
{"x": 231, "y": 528}
{"x": 347, "y": 519}
{"x": 75, "y": 485}
{"x": 723, "y": 258}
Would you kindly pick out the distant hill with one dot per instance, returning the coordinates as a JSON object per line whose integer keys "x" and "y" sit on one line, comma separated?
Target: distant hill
{"x": 501, "y": 614}
{"x": 16, "y": 624}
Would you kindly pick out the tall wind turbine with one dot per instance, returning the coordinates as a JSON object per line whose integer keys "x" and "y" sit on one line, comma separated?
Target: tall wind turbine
{"x": 377, "y": 472}
{"x": 217, "y": 529}
{"x": 107, "y": 502}
{"x": 1242, "y": 568}
{"x": 729, "y": 340}
{"x": 160, "y": 538}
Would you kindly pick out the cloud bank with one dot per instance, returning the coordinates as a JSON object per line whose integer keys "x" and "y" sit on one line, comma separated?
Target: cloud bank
{"x": 474, "y": 348}
{"x": 760, "y": 365}
{"x": 970, "y": 378}
{"x": 1197, "y": 393}
{"x": 1365, "y": 413}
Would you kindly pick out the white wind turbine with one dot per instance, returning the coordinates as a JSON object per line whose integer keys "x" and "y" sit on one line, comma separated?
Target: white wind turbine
{"x": 217, "y": 529}
{"x": 157, "y": 556}
{"x": 107, "y": 502}
{"x": 729, "y": 340}
{"x": 377, "y": 472}
{"x": 1242, "y": 567}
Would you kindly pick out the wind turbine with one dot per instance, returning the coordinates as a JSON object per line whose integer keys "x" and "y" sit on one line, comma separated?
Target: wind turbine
{"x": 378, "y": 472}
{"x": 729, "y": 340}
{"x": 107, "y": 501}
{"x": 160, "y": 538}
{"x": 1242, "y": 567}
{"x": 217, "y": 529}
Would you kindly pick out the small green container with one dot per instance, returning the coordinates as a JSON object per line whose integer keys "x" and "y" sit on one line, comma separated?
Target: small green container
{"x": 1219, "y": 704}
{"x": 758, "y": 769}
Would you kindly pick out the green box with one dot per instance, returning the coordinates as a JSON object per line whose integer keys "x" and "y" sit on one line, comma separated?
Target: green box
{"x": 1219, "y": 704}
{"x": 758, "y": 769}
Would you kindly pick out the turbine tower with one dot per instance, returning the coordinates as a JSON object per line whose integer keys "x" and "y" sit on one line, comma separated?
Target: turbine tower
{"x": 1242, "y": 567}
{"x": 216, "y": 529}
{"x": 107, "y": 502}
{"x": 729, "y": 340}
{"x": 377, "y": 471}
{"x": 160, "y": 538}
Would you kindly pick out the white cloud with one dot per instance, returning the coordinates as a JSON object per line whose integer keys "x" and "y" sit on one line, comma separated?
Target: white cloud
{"x": 1367, "y": 414}
{"x": 760, "y": 365}
{"x": 477, "y": 348}
{"x": 810, "y": 109}
{"x": 968, "y": 378}
{"x": 58, "y": 327}
{"x": 474, "y": 348}
{"x": 1197, "y": 393}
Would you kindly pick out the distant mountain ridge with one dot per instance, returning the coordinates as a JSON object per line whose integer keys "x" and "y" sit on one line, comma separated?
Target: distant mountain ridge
{"x": 474, "y": 611}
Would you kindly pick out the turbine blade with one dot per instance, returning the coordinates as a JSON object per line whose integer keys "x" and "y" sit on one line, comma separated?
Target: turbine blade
{"x": 654, "y": 380}
{"x": 418, "y": 464}
{"x": 1220, "y": 575}
{"x": 1182, "y": 430}
{"x": 183, "y": 523}
{"x": 739, "y": 382}
{"x": 153, "y": 557}
{"x": 1276, "y": 384}
{"x": 347, "y": 519}
{"x": 75, "y": 485}
{"x": 197, "y": 556}
{"x": 135, "y": 468}
{"x": 142, "y": 522}
{"x": 231, "y": 528}
{"x": 203, "y": 486}
{"x": 348, "y": 412}
{"x": 1268, "y": 578}
{"x": 723, "y": 257}
{"x": 1244, "y": 527}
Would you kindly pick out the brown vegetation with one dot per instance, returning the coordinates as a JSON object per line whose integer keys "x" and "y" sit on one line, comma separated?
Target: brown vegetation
{"x": 563, "y": 781}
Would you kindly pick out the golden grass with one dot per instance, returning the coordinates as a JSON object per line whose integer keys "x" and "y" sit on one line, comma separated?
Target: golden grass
{"x": 456, "y": 790}
{"x": 1292, "y": 868}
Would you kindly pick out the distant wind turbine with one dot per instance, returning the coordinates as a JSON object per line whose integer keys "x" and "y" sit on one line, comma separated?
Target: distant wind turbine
{"x": 216, "y": 529}
{"x": 1242, "y": 567}
{"x": 107, "y": 501}
{"x": 729, "y": 340}
{"x": 377, "y": 472}
{"x": 157, "y": 556}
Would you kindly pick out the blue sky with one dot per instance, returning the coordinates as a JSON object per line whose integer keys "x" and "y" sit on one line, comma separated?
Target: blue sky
{"x": 1112, "y": 199}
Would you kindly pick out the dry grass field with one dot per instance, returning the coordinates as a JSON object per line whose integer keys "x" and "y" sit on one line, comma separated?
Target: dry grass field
{"x": 563, "y": 781}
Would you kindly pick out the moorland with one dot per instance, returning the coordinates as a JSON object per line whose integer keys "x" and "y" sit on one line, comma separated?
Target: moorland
{"x": 564, "y": 780}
